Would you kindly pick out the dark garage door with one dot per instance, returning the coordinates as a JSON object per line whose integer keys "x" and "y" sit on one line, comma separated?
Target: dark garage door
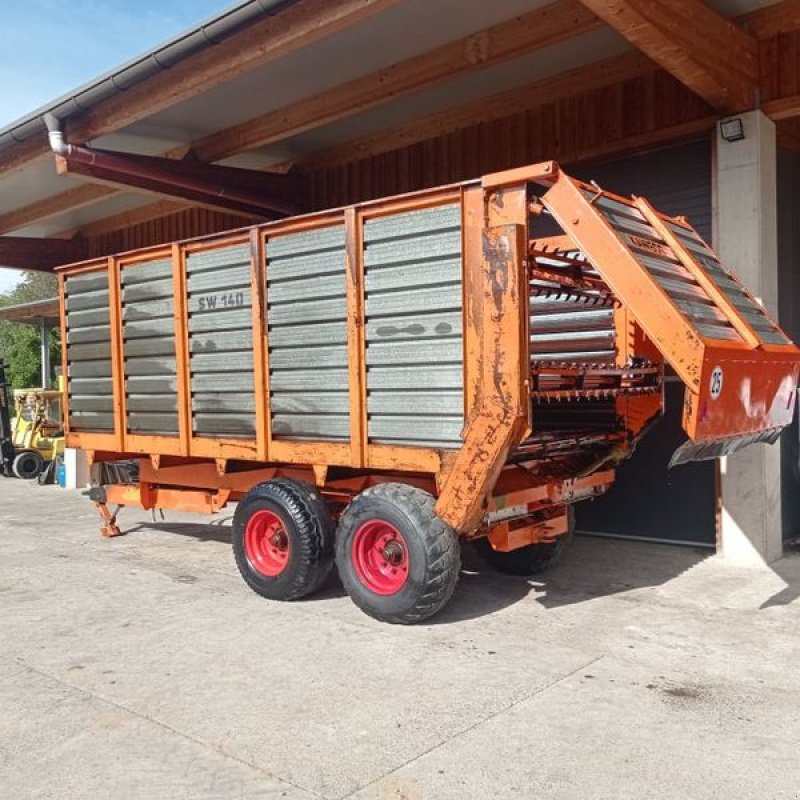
{"x": 649, "y": 501}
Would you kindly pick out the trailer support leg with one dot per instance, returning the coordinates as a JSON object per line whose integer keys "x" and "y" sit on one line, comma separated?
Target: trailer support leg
{"x": 109, "y": 528}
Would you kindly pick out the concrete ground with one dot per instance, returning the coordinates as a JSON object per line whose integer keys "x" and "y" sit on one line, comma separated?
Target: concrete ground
{"x": 144, "y": 668}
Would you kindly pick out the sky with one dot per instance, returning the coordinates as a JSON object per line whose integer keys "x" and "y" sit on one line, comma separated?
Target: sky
{"x": 48, "y": 47}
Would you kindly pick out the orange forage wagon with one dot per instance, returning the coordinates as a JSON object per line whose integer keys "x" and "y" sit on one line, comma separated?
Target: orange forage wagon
{"x": 376, "y": 384}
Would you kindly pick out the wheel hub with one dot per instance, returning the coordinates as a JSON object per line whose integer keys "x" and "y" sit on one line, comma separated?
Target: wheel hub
{"x": 393, "y": 553}
{"x": 380, "y": 557}
{"x": 279, "y": 540}
{"x": 266, "y": 543}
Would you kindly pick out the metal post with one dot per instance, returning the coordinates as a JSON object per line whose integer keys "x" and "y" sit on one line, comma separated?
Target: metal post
{"x": 44, "y": 331}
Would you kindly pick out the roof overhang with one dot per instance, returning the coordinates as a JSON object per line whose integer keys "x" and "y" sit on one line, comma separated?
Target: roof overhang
{"x": 316, "y": 83}
{"x": 33, "y": 313}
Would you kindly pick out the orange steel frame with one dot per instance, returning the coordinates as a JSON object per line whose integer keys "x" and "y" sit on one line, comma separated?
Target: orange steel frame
{"x": 691, "y": 356}
{"x": 192, "y": 472}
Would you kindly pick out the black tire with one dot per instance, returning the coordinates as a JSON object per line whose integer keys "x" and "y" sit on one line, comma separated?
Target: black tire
{"x": 533, "y": 559}
{"x": 308, "y": 530}
{"x": 431, "y": 552}
{"x": 27, "y": 465}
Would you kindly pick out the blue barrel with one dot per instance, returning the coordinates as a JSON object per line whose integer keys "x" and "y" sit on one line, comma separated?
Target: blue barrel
{"x": 61, "y": 472}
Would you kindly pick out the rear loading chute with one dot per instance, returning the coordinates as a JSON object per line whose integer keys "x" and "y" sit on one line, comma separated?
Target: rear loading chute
{"x": 739, "y": 368}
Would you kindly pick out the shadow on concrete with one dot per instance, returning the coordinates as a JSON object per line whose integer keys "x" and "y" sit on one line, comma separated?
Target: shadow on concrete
{"x": 788, "y": 570}
{"x": 599, "y": 567}
{"x": 480, "y": 591}
{"x": 217, "y": 530}
{"x": 593, "y": 567}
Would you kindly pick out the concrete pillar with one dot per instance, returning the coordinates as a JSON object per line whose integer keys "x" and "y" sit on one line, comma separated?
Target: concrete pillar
{"x": 76, "y": 469}
{"x": 746, "y": 238}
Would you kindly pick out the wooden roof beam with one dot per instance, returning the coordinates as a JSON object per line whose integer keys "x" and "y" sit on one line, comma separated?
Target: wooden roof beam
{"x": 548, "y": 25}
{"x": 25, "y": 252}
{"x": 561, "y": 20}
{"x": 130, "y": 218}
{"x": 54, "y": 205}
{"x": 299, "y": 25}
{"x": 782, "y": 108}
{"x": 18, "y": 156}
{"x": 709, "y": 54}
{"x": 533, "y": 95}
{"x": 780, "y": 17}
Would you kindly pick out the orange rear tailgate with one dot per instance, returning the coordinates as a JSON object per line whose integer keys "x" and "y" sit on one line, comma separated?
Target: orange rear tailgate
{"x": 739, "y": 368}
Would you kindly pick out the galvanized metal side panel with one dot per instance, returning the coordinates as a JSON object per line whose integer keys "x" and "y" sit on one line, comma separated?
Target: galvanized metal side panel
{"x": 219, "y": 304}
{"x": 753, "y": 313}
{"x": 307, "y": 335}
{"x": 148, "y": 348}
{"x": 414, "y": 328}
{"x": 89, "y": 379}
{"x": 655, "y": 255}
{"x": 570, "y": 328}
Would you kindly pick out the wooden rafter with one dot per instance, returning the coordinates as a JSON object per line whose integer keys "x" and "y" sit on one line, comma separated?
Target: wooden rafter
{"x": 781, "y": 17}
{"x": 23, "y": 154}
{"x": 301, "y": 24}
{"x": 709, "y": 54}
{"x": 127, "y": 219}
{"x": 773, "y": 19}
{"x": 549, "y": 25}
{"x": 78, "y": 197}
{"x": 534, "y": 95}
{"x": 782, "y": 108}
{"x": 39, "y": 254}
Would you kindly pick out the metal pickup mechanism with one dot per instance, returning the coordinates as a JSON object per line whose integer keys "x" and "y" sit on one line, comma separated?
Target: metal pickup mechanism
{"x": 739, "y": 368}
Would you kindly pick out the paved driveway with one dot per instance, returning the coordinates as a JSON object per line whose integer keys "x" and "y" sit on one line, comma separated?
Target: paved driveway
{"x": 143, "y": 668}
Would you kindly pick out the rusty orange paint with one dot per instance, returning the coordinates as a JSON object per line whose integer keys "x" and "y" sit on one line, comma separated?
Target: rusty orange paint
{"x": 506, "y": 536}
{"x": 258, "y": 281}
{"x": 501, "y": 416}
{"x": 354, "y": 275}
{"x": 664, "y": 324}
{"x": 507, "y": 459}
{"x": 181, "y": 321}
{"x": 117, "y": 355}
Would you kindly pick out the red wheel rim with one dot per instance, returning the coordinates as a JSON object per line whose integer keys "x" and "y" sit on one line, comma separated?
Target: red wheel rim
{"x": 266, "y": 543}
{"x": 380, "y": 557}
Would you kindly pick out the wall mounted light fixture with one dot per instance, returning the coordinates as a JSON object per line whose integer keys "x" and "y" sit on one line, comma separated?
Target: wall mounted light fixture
{"x": 732, "y": 130}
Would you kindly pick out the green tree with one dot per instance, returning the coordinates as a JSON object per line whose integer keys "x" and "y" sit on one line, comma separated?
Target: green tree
{"x": 19, "y": 342}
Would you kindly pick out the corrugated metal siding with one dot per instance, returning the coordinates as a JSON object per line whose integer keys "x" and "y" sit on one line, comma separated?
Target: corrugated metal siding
{"x": 219, "y": 301}
{"x": 307, "y": 335}
{"x": 566, "y": 327}
{"x": 148, "y": 331}
{"x": 414, "y": 344}
{"x": 89, "y": 381}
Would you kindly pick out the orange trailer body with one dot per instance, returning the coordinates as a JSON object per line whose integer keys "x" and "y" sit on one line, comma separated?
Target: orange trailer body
{"x": 499, "y": 343}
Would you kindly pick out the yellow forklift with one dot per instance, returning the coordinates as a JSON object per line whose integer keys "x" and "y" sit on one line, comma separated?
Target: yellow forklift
{"x": 35, "y": 436}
